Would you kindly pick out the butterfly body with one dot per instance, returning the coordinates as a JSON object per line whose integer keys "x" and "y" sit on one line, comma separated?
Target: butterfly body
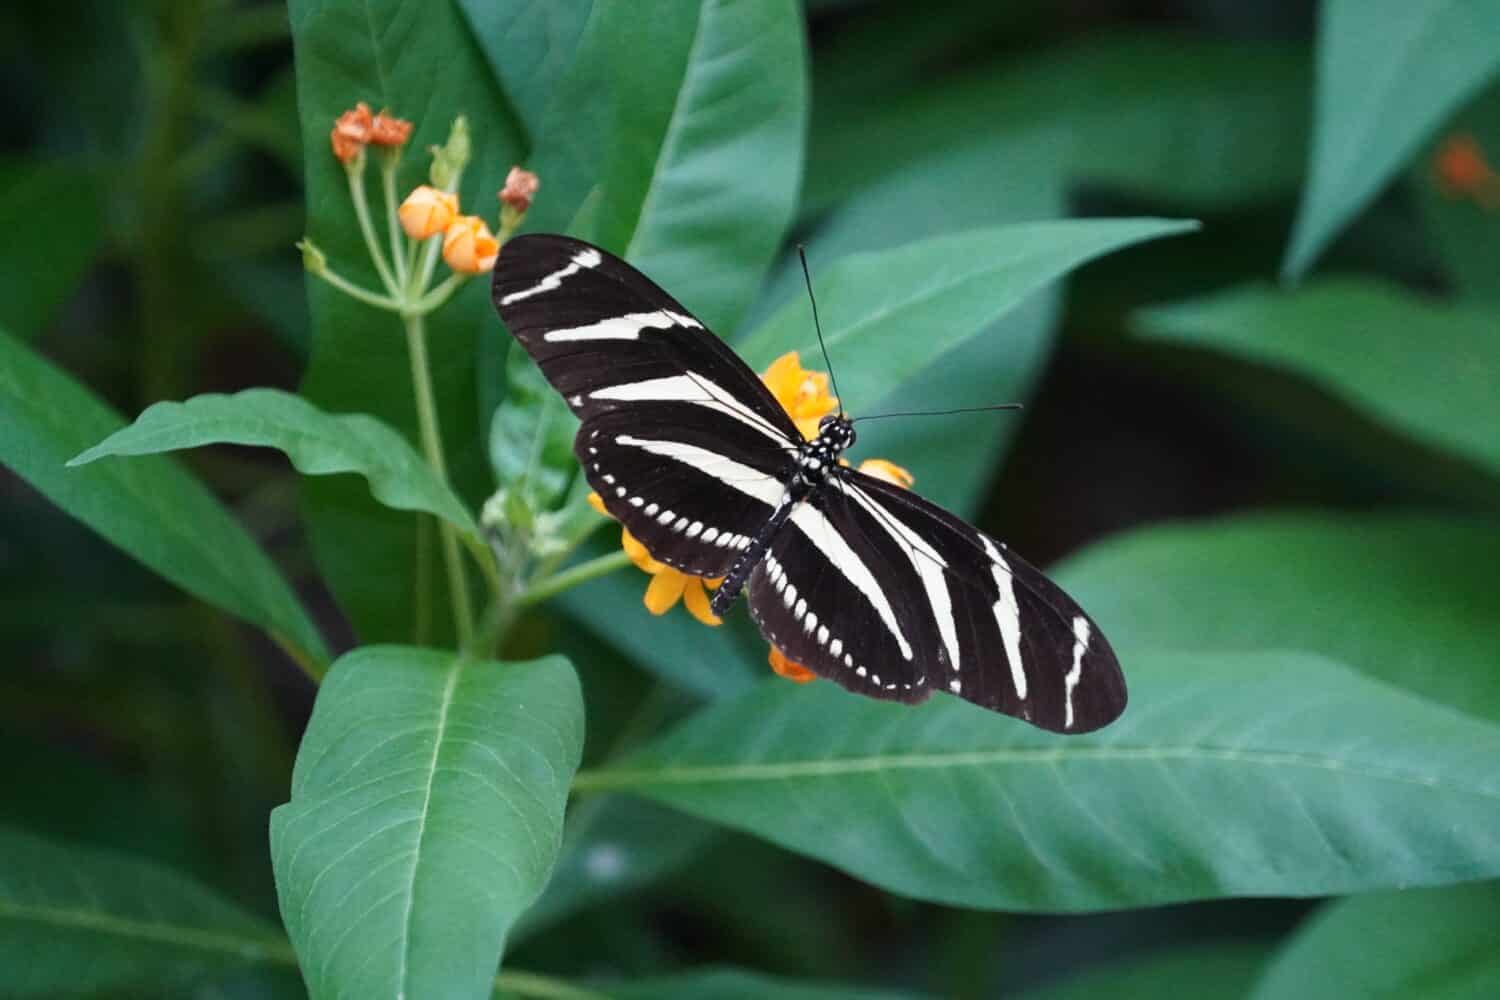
{"x": 861, "y": 581}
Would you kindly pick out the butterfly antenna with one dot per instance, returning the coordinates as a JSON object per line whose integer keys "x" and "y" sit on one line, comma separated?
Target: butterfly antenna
{"x": 807, "y": 277}
{"x": 940, "y": 413}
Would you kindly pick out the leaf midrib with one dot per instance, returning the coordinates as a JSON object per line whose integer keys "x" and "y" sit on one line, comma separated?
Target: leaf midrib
{"x": 626, "y": 779}
{"x": 247, "y": 947}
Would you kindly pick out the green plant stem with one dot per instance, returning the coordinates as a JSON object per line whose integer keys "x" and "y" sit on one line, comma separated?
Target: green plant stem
{"x": 388, "y": 162}
{"x": 422, "y": 598}
{"x": 568, "y": 578}
{"x": 354, "y": 291}
{"x": 530, "y": 984}
{"x": 432, "y": 447}
{"x": 442, "y": 293}
{"x": 356, "y": 174}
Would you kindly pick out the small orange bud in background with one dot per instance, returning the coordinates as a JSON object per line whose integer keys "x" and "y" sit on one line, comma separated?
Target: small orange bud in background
{"x": 388, "y": 130}
{"x": 790, "y": 669}
{"x": 520, "y": 188}
{"x": 468, "y": 245}
{"x": 1463, "y": 172}
{"x": 351, "y": 132}
{"x": 427, "y": 212}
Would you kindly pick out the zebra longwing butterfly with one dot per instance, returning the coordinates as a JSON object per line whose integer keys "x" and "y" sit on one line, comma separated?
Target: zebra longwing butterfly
{"x": 861, "y": 581}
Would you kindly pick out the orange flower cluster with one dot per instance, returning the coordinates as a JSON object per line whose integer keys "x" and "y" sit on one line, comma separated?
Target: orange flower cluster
{"x": 1462, "y": 171}
{"x": 804, "y": 396}
{"x": 468, "y": 245}
{"x": 357, "y": 128}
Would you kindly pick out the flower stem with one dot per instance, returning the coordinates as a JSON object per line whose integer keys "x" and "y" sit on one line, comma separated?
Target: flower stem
{"x": 354, "y": 291}
{"x": 388, "y": 161}
{"x": 355, "y": 173}
{"x": 442, "y": 293}
{"x": 569, "y": 578}
{"x": 432, "y": 447}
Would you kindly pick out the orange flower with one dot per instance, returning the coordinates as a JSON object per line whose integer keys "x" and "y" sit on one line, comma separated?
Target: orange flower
{"x": 802, "y": 394}
{"x": 351, "y": 132}
{"x": 1463, "y": 172}
{"x": 790, "y": 669}
{"x": 667, "y": 585}
{"x": 427, "y": 212}
{"x": 520, "y": 187}
{"x": 388, "y": 130}
{"x": 468, "y": 245}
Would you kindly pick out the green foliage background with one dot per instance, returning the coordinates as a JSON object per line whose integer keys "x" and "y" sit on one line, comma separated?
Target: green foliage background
{"x": 1262, "y": 452}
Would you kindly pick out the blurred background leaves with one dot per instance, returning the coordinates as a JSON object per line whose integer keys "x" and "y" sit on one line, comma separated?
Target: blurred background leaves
{"x": 1259, "y": 467}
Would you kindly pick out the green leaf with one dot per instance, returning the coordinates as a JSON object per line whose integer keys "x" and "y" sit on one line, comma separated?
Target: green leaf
{"x": 1423, "y": 944}
{"x": 702, "y": 165}
{"x": 51, "y": 216}
{"x": 1122, "y": 112}
{"x": 426, "y": 812}
{"x": 78, "y": 922}
{"x": 152, "y": 509}
{"x": 613, "y": 845}
{"x": 1427, "y": 368}
{"x": 528, "y": 48}
{"x": 1230, "y": 774}
{"x": 953, "y": 286}
{"x": 318, "y": 444}
{"x": 1223, "y": 970}
{"x": 737, "y": 984}
{"x": 1402, "y": 598}
{"x": 420, "y": 61}
{"x": 531, "y": 436}
{"x": 1386, "y": 78}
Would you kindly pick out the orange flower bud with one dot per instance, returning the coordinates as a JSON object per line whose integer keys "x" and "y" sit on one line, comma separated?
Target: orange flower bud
{"x": 520, "y": 188}
{"x": 388, "y": 130}
{"x": 351, "y": 132}
{"x": 790, "y": 669}
{"x": 469, "y": 246}
{"x": 427, "y": 212}
{"x": 1461, "y": 168}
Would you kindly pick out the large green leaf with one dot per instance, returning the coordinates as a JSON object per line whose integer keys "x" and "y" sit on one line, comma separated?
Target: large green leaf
{"x": 1387, "y": 76}
{"x": 1177, "y": 119}
{"x": 78, "y": 922}
{"x": 528, "y": 47}
{"x": 1427, "y": 368}
{"x": 318, "y": 443}
{"x": 53, "y": 223}
{"x": 419, "y": 60}
{"x": 426, "y": 813}
{"x": 737, "y": 984}
{"x": 1423, "y": 944}
{"x": 1224, "y": 970}
{"x": 1403, "y": 598}
{"x": 151, "y": 508}
{"x": 1230, "y": 774}
{"x": 949, "y": 287}
{"x": 700, "y": 176}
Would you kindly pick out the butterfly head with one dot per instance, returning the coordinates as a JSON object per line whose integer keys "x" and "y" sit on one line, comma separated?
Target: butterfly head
{"x": 836, "y": 431}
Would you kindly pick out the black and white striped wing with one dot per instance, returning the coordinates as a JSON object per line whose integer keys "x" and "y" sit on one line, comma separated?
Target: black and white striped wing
{"x": 682, "y": 441}
{"x": 918, "y": 601}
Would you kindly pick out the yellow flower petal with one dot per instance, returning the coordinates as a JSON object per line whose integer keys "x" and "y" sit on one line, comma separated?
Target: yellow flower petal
{"x": 597, "y": 502}
{"x": 638, "y": 554}
{"x": 695, "y": 599}
{"x": 783, "y": 377}
{"x": 664, "y": 591}
{"x": 889, "y": 471}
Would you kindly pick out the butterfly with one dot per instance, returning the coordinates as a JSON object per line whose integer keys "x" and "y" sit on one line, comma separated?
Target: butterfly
{"x": 859, "y": 580}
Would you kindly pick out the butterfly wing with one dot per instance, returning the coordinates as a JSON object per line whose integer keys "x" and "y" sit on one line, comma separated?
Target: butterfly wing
{"x": 977, "y": 621}
{"x": 682, "y": 441}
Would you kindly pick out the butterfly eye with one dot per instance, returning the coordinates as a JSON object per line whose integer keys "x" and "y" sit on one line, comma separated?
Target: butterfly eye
{"x": 826, "y": 422}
